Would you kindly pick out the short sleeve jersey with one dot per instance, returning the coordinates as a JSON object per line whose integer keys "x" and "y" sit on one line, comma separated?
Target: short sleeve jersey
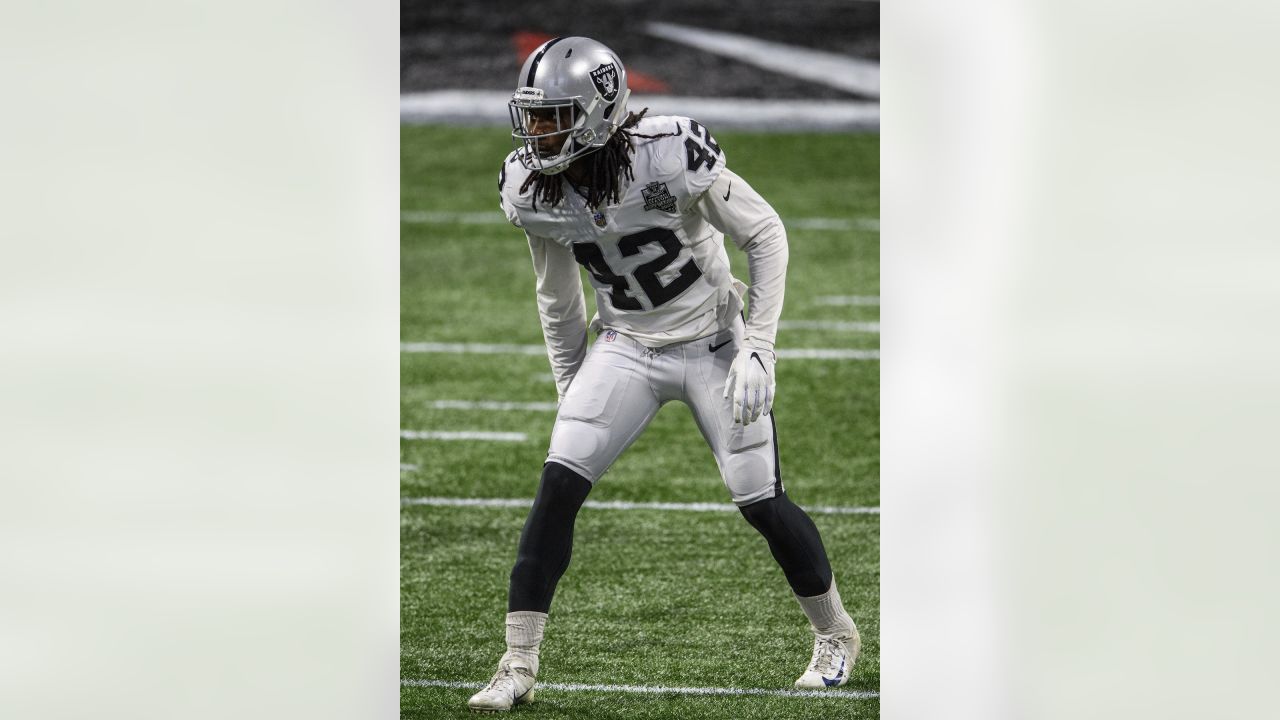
{"x": 659, "y": 269}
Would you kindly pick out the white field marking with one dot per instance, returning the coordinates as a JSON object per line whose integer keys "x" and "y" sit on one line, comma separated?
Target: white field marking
{"x": 405, "y": 467}
{"x": 848, "y": 300}
{"x": 493, "y": 405}
{"x": 660, "y": 690}
{"x": 625, "y": 505}
{"x": 832, "y": 325}
{"x": 440, "y": 217}
{"x": 831, "y": 69}
{"x": 489, "y": 108}
{"x": 485, "y": 349}
{"x": 463, "y": 435}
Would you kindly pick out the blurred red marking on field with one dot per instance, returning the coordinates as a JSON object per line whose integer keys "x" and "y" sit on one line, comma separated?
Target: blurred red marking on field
{"x": 640, "y": 82}
{"x": 526, "y": 42}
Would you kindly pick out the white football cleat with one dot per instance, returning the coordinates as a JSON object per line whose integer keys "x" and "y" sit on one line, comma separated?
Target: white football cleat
{"x": 511, "y": 685}
{"x": 832, "y": 663}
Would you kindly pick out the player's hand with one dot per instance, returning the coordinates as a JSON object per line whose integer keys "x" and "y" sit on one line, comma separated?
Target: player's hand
{"x": 750, "y": 384}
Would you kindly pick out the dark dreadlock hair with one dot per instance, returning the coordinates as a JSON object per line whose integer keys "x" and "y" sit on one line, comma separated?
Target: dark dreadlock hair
{"x": 604, "y": 169}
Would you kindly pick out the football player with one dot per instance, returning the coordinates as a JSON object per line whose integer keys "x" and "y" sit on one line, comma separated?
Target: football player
{"x": 644, "y": 204}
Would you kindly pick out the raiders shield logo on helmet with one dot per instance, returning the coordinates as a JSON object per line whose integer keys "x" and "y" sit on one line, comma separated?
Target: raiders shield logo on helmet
{"x": 605, "y": 79}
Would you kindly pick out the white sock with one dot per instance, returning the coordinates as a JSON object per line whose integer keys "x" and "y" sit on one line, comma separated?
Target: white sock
{"x": 524, "y": 636}
{"x": 826, "y": 613}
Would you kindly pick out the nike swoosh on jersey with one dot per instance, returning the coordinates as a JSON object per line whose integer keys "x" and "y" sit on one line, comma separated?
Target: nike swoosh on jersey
{"x": 717, "y": 347}
{"x": 726, "y": 192}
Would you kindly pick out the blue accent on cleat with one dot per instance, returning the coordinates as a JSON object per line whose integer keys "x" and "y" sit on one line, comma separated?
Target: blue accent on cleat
{"x": 830, "y": 682}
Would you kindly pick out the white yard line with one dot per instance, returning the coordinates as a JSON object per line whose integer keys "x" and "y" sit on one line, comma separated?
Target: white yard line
{"x": 488, "y": 349}
{"x": 848, "y": 300}
{"x": 659, "y": 689}
{"x": 406, "y": 467}
{"x": 832, "y": 325}
{"x": 438, "y": 217}
{"x": 625, "y": 505}
{"x": 463, "y": 435}
{"x": 831, "y": 69}
{"x": 489, "y": 108}
{"x": 492, "y": 405}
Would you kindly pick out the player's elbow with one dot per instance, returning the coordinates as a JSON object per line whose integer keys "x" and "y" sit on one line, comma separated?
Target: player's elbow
{"x": 770, "y": 240}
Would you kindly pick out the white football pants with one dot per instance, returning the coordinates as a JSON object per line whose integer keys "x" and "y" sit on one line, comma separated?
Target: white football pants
{"x": 620, "y": 387}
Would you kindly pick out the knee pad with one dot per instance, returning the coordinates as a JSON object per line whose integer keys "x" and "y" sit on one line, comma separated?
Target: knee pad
{"x": 750, "y": 466}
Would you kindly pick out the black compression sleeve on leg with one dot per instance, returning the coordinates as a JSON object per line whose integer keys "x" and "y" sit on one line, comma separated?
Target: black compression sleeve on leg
{"x": 794, "y": 541}
{"x": 547, "y": 539}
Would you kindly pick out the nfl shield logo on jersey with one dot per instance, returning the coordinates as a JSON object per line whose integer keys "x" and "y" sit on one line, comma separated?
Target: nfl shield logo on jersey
{"x": 610, "y": 335}
{"x": 605, "y": 79}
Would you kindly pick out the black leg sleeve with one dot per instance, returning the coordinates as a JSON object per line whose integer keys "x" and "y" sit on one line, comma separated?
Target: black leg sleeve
{"x": 794, "y": 541}
{"x": 547, "y": 539}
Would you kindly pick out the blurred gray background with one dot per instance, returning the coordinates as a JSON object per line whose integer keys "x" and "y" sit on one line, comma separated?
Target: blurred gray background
{"x": 812, "y": 64}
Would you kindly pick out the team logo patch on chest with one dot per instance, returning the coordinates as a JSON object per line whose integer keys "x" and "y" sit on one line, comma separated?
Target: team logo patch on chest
{"x": 656, "y": 196}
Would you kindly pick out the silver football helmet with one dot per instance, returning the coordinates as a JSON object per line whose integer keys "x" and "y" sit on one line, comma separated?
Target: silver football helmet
{"x": 572, "y": 97}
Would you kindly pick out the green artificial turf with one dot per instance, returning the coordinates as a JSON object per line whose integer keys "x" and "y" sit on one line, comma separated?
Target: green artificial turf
{"x": 653, "y": 597}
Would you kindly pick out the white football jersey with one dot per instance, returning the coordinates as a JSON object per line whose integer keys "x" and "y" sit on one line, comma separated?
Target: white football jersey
{"x": 660, "y": 271}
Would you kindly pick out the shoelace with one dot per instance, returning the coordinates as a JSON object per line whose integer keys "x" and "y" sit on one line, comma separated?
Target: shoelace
{"x": 502, "y": 678}
{"x": 825, "y": 651}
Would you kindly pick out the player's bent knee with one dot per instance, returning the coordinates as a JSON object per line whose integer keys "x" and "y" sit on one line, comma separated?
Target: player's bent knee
{"x": 749, "y": 477}
{"x": 750, "y": 469}
{"x": 794, "y": 541}
{"x": 558, "y": 477}
{"x": 762, "y": 513}
{"x": 561, "y": 493}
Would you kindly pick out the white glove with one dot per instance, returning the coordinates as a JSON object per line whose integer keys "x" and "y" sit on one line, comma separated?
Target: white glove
{"x": 750, "y": 384}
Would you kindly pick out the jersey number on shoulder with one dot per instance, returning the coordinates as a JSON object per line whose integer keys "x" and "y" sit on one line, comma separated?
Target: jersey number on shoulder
{"x": 589, "y": 255}
{"x": 695, "y": 153}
